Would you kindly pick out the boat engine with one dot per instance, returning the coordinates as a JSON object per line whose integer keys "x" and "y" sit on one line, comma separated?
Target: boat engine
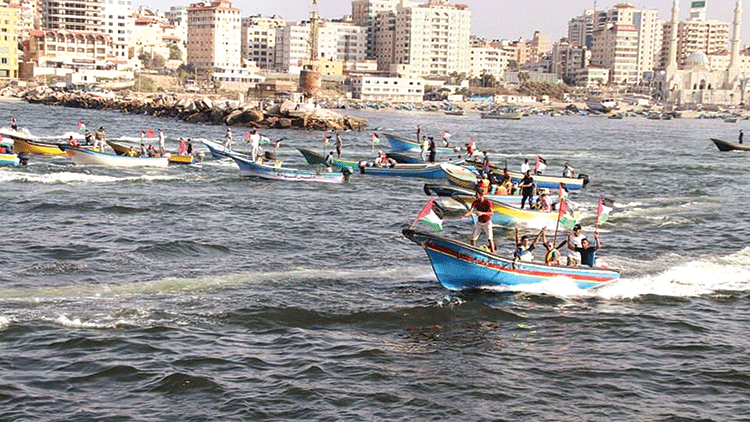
{"x": 585, "y": 178}
{"x": 23, "y": 158}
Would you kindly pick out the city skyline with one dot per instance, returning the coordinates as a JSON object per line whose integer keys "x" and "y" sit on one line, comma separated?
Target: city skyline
{"x": 550, "y": 16}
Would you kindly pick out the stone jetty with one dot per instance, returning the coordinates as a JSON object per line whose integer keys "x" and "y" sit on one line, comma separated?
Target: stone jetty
{"x": 201, "y": 109}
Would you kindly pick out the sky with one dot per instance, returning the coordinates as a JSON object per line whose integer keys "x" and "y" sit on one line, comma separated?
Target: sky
{"x": 494, "y": 19}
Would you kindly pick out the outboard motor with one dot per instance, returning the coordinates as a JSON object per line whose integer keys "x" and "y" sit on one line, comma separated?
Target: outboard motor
{"x": 585, "y": 178}
{"x": 347, "y": 174}
{"x": 23, "y": 158}
{"x": 362, "y": 165}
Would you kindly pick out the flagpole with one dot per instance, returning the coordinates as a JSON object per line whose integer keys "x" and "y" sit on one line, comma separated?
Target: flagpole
{"x": 598, "y": 213}
{"x": 559, "y": 214}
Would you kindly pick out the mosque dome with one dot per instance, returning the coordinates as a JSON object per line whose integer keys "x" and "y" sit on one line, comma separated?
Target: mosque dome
{"x": 697, "y": 59}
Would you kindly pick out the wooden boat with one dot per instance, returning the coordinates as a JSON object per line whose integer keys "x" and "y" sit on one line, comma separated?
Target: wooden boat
{"x": 460, "y": 176}
{"x": 122, "y": 149}
{"x": 273, "y": 172}
{"x": 402, "y": 158}
{"x": 503, "y": 115}
{"x": 507, "y": 215}
{"x": 23, "y": 142}
{"x": 454, "y": 112}
{"x": 9, "y": 160}
{"x": 424, "y": 170}
{"x": 402, "y": 144}
{"x": 460, "y": 266}
{"x": 466, "y": 196}
{"x": 89, "y": 157}
{"x": 729, "y": 146}
{"x": 542, "y": 181}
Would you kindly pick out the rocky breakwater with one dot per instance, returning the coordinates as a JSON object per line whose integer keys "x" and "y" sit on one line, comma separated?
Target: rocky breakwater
{"x": 202, "y": 110}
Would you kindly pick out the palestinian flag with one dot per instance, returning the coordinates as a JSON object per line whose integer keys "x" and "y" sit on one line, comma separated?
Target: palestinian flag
{"x": 604, "y": 207}
{"x": 325, "y": 139}
{"x": 564, "y": 217}
{"x": 264, "y": 140}
{"x": 541, "y": 164}
{"x": 81, "y": 127}
{"x": 375, "y": 139}
{"x": 431, "y": 215}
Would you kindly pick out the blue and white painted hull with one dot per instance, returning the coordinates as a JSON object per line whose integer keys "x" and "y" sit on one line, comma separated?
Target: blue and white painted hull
{"x": 460, "y": 266}
{"x": 402, "y": 144}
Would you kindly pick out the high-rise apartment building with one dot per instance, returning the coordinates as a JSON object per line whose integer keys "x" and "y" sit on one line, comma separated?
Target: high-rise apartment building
{"x": 214, "y": 34}
{"x": 74, "y": 15}
{"x": 259, "y": 39}
{"x": 365, "y": 13}
{"x": 8, "y": 42}
{"x": 707, "y": 36}
{"x": 340, "y": 41}
{"x": 431, "y": 39}
{"x": 581, "y": 29}
{"x": 118, "y": 23}
{"x": 487, "y": 59}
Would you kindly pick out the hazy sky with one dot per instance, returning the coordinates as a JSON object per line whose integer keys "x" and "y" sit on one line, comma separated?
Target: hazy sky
{"x": 502, "y": 19}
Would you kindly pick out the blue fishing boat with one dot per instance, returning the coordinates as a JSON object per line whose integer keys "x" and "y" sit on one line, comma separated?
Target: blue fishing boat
{"x": 460, "y": 266}
{"x": 541, "y": 180}
{"x": 274, "y": 172}
{"x": 423, "y": 171}
{"x": 402, "y": 144}
{"x": 467, "y": 196}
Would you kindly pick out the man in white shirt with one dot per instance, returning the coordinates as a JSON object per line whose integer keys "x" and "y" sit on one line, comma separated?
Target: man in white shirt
{"x": 575, "y": 238}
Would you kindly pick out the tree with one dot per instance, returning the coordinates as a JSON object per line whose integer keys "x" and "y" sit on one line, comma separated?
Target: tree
{"x": 175, "y": 53}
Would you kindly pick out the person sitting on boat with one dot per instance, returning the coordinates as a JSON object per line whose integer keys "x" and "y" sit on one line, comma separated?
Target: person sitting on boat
{"x": 588, "y": 252}
{"x": 72, "y": 141}
{"x": 568, "y": 171}
{"x": 14, "y": 124}
{"x": 525, "y": 166}
{"x": 151, "y": 151}
{"x": 543, "y": 202}
{"x": 132, "y": 152}
{"x": 524, "y": 246}
{"x": 381, "y": 160}
{"x": 471, "y": 148}
{"x": 183, "y": 147}
{"x": 88, "y": 137}
{"x": 527, "y": 188}
{"x": 483, "y": 208}
{"x": 483, "y": 184}
{"x": 553, "y": 255}
{"x": 329, "y": 162}
{"x": 506, "y": 185}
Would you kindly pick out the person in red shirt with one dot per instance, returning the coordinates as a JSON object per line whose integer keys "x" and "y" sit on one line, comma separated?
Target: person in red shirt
{"x": 483, "y": 207}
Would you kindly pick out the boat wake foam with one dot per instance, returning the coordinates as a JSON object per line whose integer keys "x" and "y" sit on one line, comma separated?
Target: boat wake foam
{"x": 72, "y": 177}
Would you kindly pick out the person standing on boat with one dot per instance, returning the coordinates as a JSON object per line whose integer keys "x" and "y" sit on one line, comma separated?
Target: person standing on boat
{"x": 228, "y": 139}
{"x": 568, "y": 171}
{"x": 483, "y": 208}
{"x": 183, "y": 147}
{"x": 189, "y": 147}
{"x": 419, "y": 133}
{"x": 425, "y": 145}
{"x": 339, "y": 145}
{"x": 433, "y": 150}
{"x": 485, "y": 163}
{"x": 588, "y": 252}
{"x": 527, "y": 188}
{"x": 329, "y": 162}
{"x": 525, "y": 166}
{"x": 553, "y": 255}
{"x": 742, "y": 135}
{"x": 89, "y": 138}
{"x": 575, "y": 238}
{"x": 162, "y": 148}
{"x": 254, "y": 144}
{"x": 100, "y": 139}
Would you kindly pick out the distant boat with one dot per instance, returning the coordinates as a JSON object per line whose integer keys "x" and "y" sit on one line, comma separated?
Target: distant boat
{"x": 460, "y": 266}
{"x": 402, "y": 144}
{"x": 122, "y": 149}
{"x": 454, "y": 112}
{"x": 503, "y": 115}
{"x": 604, "y": 105}
{"x": 729, "y": 146}
{"x": 420, "y": 170}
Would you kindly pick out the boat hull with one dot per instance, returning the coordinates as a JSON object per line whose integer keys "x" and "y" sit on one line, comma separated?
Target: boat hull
{"x": 87, "y": 157}
{"x": 402, "y": 144}
{"x": 467, "y": 196}
{"x": 249, "y": 167}
{"x": 122, "y": 149}
{"x": 422, "y": 171}
{"x": 36, "y": 147}
{"x": 9, "y": 160}
{"x": 459, "y": 266}
{"x": 502, "y": 116}
{"x": 729, "y": 146}
{"x": 541, "y": 181}
{"x": 507, "y": 215}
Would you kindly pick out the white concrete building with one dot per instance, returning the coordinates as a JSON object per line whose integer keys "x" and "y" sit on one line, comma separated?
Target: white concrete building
{"x": 337, "y": 41}
{"x": 365, "y": 13}
{"x": 259, "y": 39}
{"x": 484, "y": 58}
{"x": 118, "y": 23}
{"x": 76, "y": 15}
{"x": 373, "y": 88}
{"x": 431, "y": 39}
{"x": 214, "y": 36}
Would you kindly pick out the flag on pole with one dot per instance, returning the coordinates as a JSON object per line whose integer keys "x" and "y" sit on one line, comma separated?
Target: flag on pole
{"x": 375, "y": 139}
{"x": 603, "y": 209}
{"x": 541, "y": 164}
{"x": 247, "y": 135}
{"x": 325, "y": 139}
{"x": 276, "y": 144}
{"x": 81, "y": 127}
{"x": 149, "y": 133}
{"x": 446, "y": 135}
{"x": 432, "y": 215}
{"x": 563, "y": 217}
{"x": 264, "y": 140}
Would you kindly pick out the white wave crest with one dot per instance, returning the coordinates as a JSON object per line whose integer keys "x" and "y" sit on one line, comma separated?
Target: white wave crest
{"x": 72, "y": 177}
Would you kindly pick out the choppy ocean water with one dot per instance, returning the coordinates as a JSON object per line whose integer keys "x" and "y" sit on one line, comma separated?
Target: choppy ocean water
{"x": 195, "y": 293}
